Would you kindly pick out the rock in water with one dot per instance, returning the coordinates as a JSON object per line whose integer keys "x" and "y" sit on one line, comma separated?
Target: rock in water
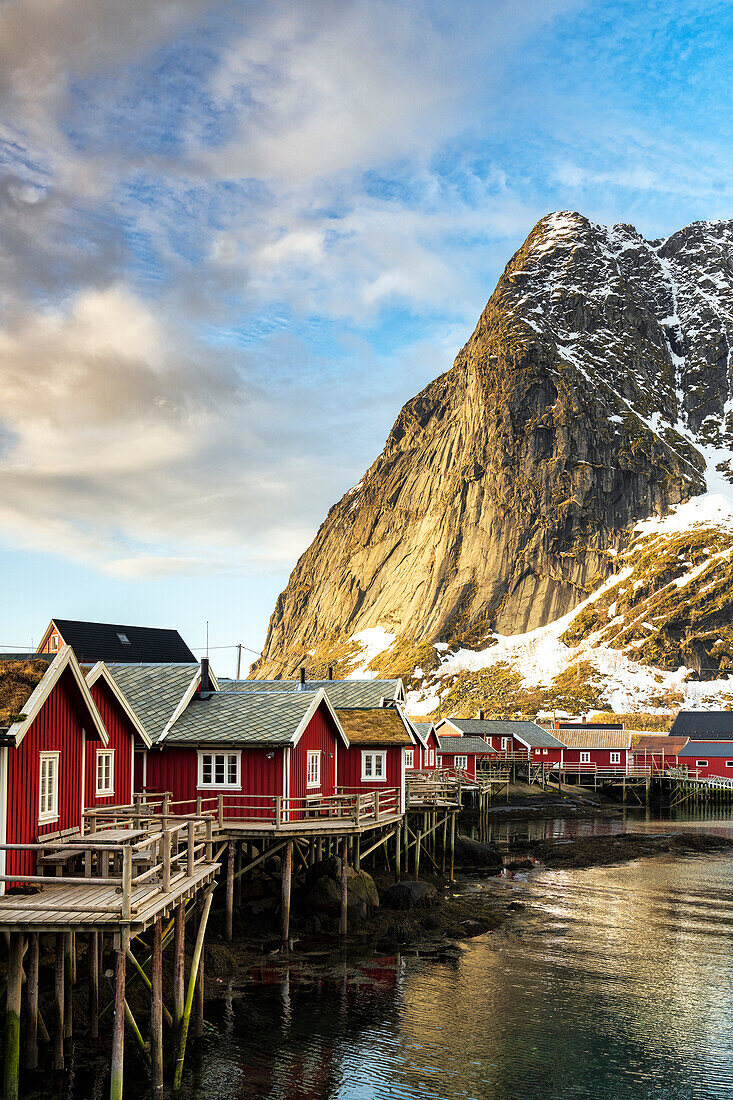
{"x": 409, "y": 895}
{"x": 508, "y": 484}
{"x": 476, "y": 853}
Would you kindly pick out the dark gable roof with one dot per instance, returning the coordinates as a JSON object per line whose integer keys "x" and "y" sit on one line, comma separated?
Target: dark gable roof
{"x": 700, "y": 749}
{"x": 234, "y": 718}
{"x": 153, "y": 692}
{"x": 703, "y": 723}
{"x": 529, "y": 732}
{"x": 463, "y": 746}
{"x": 595, "y": 725}
{"x": 94, "y": 642}
{"x": 363, "y": 694}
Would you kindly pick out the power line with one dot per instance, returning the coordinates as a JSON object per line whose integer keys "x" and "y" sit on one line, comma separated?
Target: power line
{"x": 235, "y": 645}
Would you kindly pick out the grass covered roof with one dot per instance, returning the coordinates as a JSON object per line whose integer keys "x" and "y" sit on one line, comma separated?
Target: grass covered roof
{"x": 18, "y": 680}
{"x": 374, "y": 726}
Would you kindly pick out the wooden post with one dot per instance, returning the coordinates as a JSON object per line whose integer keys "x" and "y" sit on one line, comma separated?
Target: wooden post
{"x": 68, "y": 985}
{"x": 156, "y": 1010}
{"x": 198, "y": 1024}
{"x": 93, "y": 979}
{"x": 118, "y": 1026}
{"x": 452, "y": 845}
{"x": 31, "y": 1004}
{"x": 287, "y": 875}
{"x": 445, "y": 839}
{"x": 178, "y": 964}
{"x": 198, "y": 948}
{"x": 191, "y": 853}
{"x": 59, "y": 1003}
{"x": 398, "y": 853}
{"x": 343, "y": 920}
{"x": 220, "y": 805}
{"x": 12, "y": 1017}
{"x": 127, "y": 882}
{"x": 229, "y": 921}
{"x": 166, "y": 845}
{"x": 418, "y": 842}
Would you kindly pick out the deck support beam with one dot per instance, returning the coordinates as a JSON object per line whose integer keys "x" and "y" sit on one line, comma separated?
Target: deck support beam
{"x": 287, "y": 879}
{"x": 197, "y": 951}
{"x": 68, "y": 985}
{"x": 452, "y": 845}
{"x": 12, "y": 1017}
{"x": 93, "y": 976}
{"x": 59, "y": 1003}
{"x": 31, "y": 1004}
{"x": 229, "y": 912}
{"x": 178, "y": 964}
{"x": 118, "y": 1026}
{"x": 343, "y": 919}
{"x": 156, "y": 1010}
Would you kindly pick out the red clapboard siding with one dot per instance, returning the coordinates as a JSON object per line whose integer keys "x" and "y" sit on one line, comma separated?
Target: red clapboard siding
{"x": 57, "y": 728}
{"x": 448, "y": 760}
{"x": 716, "y": 765}
{"x": 600, "y": 757}
{"x": 349, "y": 766}
{"x": 121, "y": 735}
{"x": 176, "y": 770}
{"x": 320, "y": 734}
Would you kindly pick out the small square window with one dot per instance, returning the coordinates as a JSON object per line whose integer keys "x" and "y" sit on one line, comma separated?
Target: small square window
{"x": 409, "y": 758}
{"x": 374, "y": 766}
{"x": 105, "y": 772}
{"x": 313, "y": 769}
{"x": 124, "y": 639}
{"x": 219, "y": 769}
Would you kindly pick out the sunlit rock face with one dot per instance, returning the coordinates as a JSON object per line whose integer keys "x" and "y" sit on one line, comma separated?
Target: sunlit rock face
{"x": 594, "y": 388}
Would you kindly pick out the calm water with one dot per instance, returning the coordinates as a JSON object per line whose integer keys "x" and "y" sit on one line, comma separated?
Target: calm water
{"x": 613, "y": 983}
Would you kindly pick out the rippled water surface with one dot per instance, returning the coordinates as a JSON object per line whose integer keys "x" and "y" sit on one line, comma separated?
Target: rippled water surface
{"x": 613, "y": 983}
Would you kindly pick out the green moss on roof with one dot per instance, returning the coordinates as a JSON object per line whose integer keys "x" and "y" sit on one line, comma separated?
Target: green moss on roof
{"x": 18, "y": 680}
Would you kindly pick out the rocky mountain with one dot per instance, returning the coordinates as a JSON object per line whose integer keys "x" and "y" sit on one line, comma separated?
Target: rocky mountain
{"x": 595, "y": 391}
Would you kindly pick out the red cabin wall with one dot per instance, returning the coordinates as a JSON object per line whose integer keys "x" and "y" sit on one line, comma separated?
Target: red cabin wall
{"x": 349, "y": 767}
{"x": 600, "y": 757}
{"x": 121, "y": 739}
{"x": 716, "y": 764}
{"x": 320, "y": 734}
{"x": 550, "y": 756}
{"x": 176, "y": 770}
{"x": 448, "y": 760}
{"x": 57, "y": 728}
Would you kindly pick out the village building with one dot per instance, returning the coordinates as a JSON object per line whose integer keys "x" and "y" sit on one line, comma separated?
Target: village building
{"x": 658, "y": 751}
{"x": 47, "y": 717}
{"x": 590, "y": 746}
{"x": 714, "y": 758}
{"x": 380, "y": 739}
{"x": 426, "y": 752}
{"x": 110, "y": 769}
{"x": 704, "y": 725}
{"x": 111, "y": 642}
{"x": 460, "y": 753}
{"x": 508, "y": 736}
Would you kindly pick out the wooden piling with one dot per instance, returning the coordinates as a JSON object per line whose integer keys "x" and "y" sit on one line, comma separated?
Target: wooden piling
{"x": 31, "y": 1003}
{"x": 452, "y": 845}
{"x": 445, "y": 840}
{"x": 397, "y": 854}
{"x": 118, "y": 1026}
{"x": 68, "y": 985}
{"x": 287, "y": 876}
{"x": 93, "y": 978}
{"x": 178, "y": 963}
{"x": 198, "y": 948}
{"x": 59, "y": 1003}
{"x": 12, "y": 1017}
{"x": 229, "y": 916}
{"x": 343, "y": 919}
{"x": 156, "y": 1010}
{"x": 198, "y": 1021}
{"x": 418, "y": 841}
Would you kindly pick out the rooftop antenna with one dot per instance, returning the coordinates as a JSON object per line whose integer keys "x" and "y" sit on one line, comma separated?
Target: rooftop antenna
{"x": 207, "y": 638}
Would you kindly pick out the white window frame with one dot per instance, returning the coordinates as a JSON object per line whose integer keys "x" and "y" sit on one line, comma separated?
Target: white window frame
{"x": 105, "y": 754}
{"x": 53, "y": 643}
{"x": 313, "y": 757}
{"x": 226, "y": 786}
{"x": 504, "y": 744}
{"x": 702, "y": 764}
{"x": 50, "y": 813}
{"x": 545, "y": 752}
{"x": 431, "y": 760}
{"x": 409, "y": 758}
{"x": 439, "y": 763}
{"x": 457, "y": 762}
{"x": 729, "y": 763}
{"x": 615, "y": 757}
{"x": 585, "y": 758}
{"x": 368, "y": 763}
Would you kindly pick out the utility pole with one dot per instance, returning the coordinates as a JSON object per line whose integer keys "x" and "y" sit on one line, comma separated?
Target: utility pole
{"x": 239, "y": 658}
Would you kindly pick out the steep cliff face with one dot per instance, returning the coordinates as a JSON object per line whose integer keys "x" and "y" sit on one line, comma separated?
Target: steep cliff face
{"x": 594, "y": 389}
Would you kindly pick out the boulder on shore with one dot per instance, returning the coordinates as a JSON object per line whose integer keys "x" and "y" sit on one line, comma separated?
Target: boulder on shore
{"x": 323, "y": 886}
{"x": 476, "y": 853}
{"x": 409, "y": 895}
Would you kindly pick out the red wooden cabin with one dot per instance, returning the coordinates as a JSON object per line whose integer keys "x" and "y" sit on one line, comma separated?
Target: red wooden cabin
{"x": 379, "y": 738}
{"x": 657, "y": 751}
{"x": 47, "y": 718}
{"x": 109, "y": 769}
{"x": 591, "y": 746}
{"x": 426, "y": 752}
{"x": 708, "y": 757}
{"x": 461, "y": 753}
{"x": 507, "y": 737}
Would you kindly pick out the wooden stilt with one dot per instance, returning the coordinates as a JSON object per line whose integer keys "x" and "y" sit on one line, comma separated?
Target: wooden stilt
{"x": 198, "y": 948}
{"x": 357, "y": 853}
{"x": 156, "y": 1010}
{"x": 452, "y": 845}
{"x": 343, "y": 921}
{"x": 418, "y": 842}
{"x": 12, "y": 1017}
{"x": 178, "y": 964}
{"x": 31, "y": 1004}
{"x": 68, "y": 985}
{"x": 445, "y": 840}
{"x": 59, "y": 1003}
{"x": 287, "y": 876}
{"x": 93, "y": 975}
{"x": 198, "y": 1023}
{"x": 229, "y": 917}
{"x": 118, "y": 1026}
{"x": 398, "y": 854}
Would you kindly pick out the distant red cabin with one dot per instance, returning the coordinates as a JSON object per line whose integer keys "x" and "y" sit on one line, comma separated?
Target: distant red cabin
{"x": 109, "y": 769}
{"x": 708, "y": 758}
{"x": 379, "y": 739}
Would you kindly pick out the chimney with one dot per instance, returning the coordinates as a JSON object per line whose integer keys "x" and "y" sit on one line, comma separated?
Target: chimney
{"x": 302, "y": 678}
{"x": 205, "y": 678}
{"x": 330, "y": 672}
{"x": 480, "y": 716}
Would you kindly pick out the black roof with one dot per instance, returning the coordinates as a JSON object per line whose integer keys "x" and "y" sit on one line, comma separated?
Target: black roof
{"x": 703, "y": 724}
{"x": 112, "y": 642}
{"x": 593, "y": 725}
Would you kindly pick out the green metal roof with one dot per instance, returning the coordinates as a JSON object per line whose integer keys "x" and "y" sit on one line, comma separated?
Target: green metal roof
{"x": 236, "y": 718}
{"x": 342, "y": 693}
{"x": 153, "y": 691}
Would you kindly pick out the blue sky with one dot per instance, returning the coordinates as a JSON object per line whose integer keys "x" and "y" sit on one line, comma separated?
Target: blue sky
{"x": 236, "y": 237}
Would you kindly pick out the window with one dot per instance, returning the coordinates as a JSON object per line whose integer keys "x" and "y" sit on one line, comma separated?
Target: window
{"x": 585, "y": 758}
{"x": 219, "y": 769}
{"x": 124, "y": 639}
{"x": 701, "y": 763}
{"x": 615, "y": 757}
{"x": 537, "y": 751}
{"x": 105, "y": 771}
{"x": 48, "y": 786}
{"x": 53, "y": 642}
{"x": 729, "y": 763}
{"x": 409, "y": 758}
{"x": 544, "y": 752}
{"x": 313, "y": 774}
{"x": 504, "y": 744}
{"x": 431, "y": 761}
{"x": 374, "y": 766}
{"x": 461, "y": 762}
